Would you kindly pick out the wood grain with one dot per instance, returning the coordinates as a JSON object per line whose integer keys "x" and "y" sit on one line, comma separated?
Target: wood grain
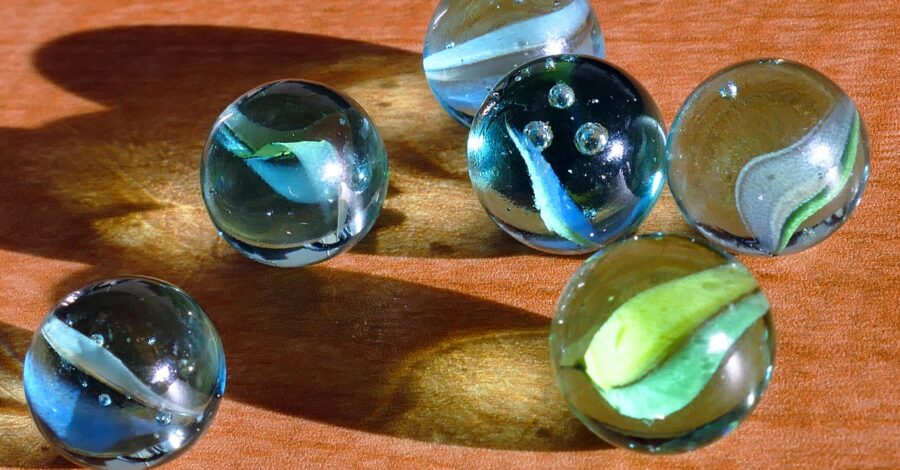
{"x": 425, "y": 346}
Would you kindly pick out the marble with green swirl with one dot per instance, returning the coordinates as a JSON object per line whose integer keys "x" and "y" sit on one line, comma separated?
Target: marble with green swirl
{"x": 566, "y": 155}
{"x": 768, "y": 157}
{"x": 662, "y": 344}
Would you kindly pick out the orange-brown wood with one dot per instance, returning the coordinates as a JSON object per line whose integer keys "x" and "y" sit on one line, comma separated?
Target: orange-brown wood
{"x": 426, "y": 345}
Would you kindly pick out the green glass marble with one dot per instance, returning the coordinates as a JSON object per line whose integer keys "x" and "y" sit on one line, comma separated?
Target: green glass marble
{"x": 661, "y": 344}
{"x": 768, "y": 157}
{"x": 294, "y": 173}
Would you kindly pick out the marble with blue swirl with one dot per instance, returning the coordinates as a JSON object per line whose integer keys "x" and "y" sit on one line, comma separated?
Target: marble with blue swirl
{"x": 124, "y": 373}
{"x": 470, "y": 45}
{"x": 293, "y": 173}
{"x": 566, "y": 155}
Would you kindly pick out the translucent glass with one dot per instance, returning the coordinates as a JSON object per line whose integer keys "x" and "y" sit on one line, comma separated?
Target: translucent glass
{"x": 124, "y": 373}
{"x": 471, "y": 45}
{"x": 294, "y": 173}
{"x": 566, "y": 154}
{"x": 768, "y": 157}
{"x": 661, "y": 344}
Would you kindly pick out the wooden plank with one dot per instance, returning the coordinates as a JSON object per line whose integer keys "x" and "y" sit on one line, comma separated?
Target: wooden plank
{"x": 425, "y": 346}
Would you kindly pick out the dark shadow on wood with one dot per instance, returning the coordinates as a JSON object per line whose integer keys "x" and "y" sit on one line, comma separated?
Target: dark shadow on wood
{"x": 390, "y": 357}
{"x": 383, "y": 356}
{"x": 127, "y": 176}
{"x": 118, "y": 191}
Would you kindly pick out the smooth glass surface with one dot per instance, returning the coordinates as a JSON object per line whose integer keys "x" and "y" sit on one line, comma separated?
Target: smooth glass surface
{"x": 768, "y": 157}
{"x": 471, "y": 45}
{"x": 294, "y": 173}
{"x": 661, "y": 344}
{"x": 125, "y": 373}
{"x": 566, "y": 154}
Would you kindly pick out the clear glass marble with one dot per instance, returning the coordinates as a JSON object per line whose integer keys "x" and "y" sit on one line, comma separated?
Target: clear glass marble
{"x": 471, "y": 45}
{"x": 566, "y": 154}
{"x": 768, "y": 157}
{"x": 294, "y": 173}
{"x": 661, "y": 344}
{"x": 125, "y": 373}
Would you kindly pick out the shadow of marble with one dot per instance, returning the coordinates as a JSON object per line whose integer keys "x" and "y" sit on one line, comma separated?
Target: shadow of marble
{"x": 383, "y": 355}
{"x": 118, "y": 191}
{"x": 126, "y": 179}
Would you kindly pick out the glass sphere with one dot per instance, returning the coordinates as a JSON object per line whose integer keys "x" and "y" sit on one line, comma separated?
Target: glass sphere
{"x": 471, "y": 45}
{"x": 566, "y": 154}
{"x": 293, "y": 173}
{"x": 768, "y": 157}
{"x": 125, "y": 373}
{"x": 661, "y": 344}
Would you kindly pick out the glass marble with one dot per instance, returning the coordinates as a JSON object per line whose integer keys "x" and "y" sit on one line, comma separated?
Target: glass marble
{"x": 125, "y": 373}
{"x": 661, "y": 344}
{"x": 566, "y": 154}
{"x": 767, "y": 157}
{"x": 294, "y": 173}
{"x": 471, "y": 45}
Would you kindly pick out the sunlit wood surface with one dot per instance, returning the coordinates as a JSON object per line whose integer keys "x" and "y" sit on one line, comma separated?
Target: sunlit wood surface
{"x": 426, "y": 345}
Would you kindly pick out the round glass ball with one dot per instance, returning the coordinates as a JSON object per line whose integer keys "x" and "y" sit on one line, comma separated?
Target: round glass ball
{"x": 293, "y": 173}
{"x": 566, "y": 154}
{"x": 767, "y": 157}
{"x": 124, "y": 373}
{"x": 661, "y": 344}
{"x": 470, "y": 45}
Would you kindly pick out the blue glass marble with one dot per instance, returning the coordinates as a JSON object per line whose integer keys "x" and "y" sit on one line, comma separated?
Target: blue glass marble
{"x": 293, "y": 173}
{"x": 125, "y": 373}
{"x": 566, "y": 154}
{"x": 471, "y": 45}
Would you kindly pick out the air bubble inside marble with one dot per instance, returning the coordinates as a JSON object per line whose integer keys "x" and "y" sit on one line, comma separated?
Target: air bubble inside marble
{"x": 539, "y": 133}
{"x": 591, "y": 138}
{"x": 561, "y": 96}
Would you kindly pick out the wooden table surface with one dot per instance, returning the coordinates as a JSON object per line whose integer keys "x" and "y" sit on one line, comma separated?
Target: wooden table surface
{"x": 426, "y": 345}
